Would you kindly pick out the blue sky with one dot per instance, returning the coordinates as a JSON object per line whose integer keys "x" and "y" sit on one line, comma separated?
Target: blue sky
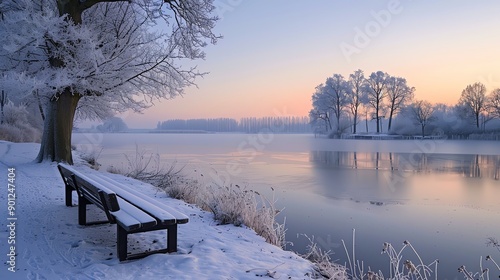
{"x": 274, "y": 53}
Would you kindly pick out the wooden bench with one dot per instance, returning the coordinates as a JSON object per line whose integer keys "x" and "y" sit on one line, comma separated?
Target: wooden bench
{"x": 132, "y": 211}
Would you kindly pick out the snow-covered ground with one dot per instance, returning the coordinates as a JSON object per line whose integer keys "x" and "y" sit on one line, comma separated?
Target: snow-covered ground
{"x": 49, "y": 243}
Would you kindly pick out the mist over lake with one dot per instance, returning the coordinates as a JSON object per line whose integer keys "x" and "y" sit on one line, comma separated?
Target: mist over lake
{"x": 441, "y": 195}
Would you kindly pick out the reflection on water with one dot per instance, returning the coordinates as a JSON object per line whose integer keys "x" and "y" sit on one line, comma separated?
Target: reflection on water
{"x": 474, "y": 166}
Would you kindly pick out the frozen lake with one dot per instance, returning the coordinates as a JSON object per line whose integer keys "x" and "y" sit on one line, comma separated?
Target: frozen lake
{"x": 441, "y": 195}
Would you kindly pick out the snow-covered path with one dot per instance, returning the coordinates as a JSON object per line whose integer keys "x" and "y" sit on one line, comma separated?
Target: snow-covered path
{"x": 50, "y": 244}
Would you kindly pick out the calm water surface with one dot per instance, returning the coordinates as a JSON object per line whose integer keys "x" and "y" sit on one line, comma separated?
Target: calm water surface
{"x": 441, "y": 195}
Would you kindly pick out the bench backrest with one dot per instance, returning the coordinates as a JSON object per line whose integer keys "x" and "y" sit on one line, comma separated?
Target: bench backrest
{"x": 92, "y": 191}
{"x": 67, "y": 175}
{"x": 96, "y": 193}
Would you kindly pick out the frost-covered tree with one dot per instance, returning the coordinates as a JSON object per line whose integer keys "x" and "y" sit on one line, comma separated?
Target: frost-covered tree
{"x": 330, "y": 100}
{"x": 473, "y": 99}
{"x": 335, "y": 93}
{"x": 319, "y": 121}
{"x": 494, "y": 103}
{"x": 422, "y": 113}
{"x": 92, "y": 58}
{"x": 357, "y": 95}
{"x": 320, "y": 113}
{"x": 398, "y": 94}
{"x": 376, "y": 92}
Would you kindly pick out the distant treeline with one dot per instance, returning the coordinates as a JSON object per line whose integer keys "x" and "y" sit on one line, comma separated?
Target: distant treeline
{"x": 247, "y": 125}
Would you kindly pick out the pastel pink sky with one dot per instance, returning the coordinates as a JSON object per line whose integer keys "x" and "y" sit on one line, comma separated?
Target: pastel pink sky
{"x": 274, "y": 53}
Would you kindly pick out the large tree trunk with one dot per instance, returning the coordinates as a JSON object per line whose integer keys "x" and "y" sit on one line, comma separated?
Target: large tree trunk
{"x": 56, "y": 139}
{"x": 58, "y": 124}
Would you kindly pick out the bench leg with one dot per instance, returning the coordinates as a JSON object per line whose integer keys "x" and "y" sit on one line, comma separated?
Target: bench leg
{"x": 68, "y": 192}
{"x": 121, "y": 243}
{"x": 172, "y": 238}
{"x": 82, "y": 211}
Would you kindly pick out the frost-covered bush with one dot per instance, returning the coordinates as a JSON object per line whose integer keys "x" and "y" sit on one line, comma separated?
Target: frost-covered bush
{"x": 485, "y": 136}
{"x": 405, "y": 126}
{"x": 236, "y": 205}
{"x": 113, "y": 124}
{"x": 324, "y": 265}
{"x": 16, "y": 126}
{"x": 10, "y": 133}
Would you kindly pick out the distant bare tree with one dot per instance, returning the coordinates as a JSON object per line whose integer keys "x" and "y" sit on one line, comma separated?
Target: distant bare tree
{"x": 320, "y": 109}
{"x": 494, "y": 103}
{"x": 376, "y": 85}
{"x": 357, "y": 94}
{"x": 398, "y": 94}
{"x": 474, "y": 99}
{"x": 335, "y": 91}
{"x": 422, "y": 112}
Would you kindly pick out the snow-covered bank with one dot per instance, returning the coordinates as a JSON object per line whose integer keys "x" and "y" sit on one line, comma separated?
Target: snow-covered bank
{"x": 49, "y": 243}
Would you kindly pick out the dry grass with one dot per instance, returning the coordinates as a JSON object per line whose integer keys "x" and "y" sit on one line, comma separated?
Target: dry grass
{"x": 324, "y": 266}
{"x": 92, "y": 159}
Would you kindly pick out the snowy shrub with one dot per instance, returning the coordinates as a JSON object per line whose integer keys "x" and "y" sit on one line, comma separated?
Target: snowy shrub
{"x": 11, "y": 133}
{"x": 485, "y": 136}
{"x": 334, "y": 135}
{"x": 404, "y": 126}
{"x": 354, "y": 269}
{"x": 113, "y": 124}
{"x": 15, "y": 114}
{"x": 236, "y": 205}
{"x": 91, "y": 159}
{"x": 16, "y": 127}
{"x": 323, "y": 263}
{"x": 399, "y": 269}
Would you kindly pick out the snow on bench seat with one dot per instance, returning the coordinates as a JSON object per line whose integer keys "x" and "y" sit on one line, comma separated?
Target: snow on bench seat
{"x": 136, "y": 219}
{"x": 155, "y": 208}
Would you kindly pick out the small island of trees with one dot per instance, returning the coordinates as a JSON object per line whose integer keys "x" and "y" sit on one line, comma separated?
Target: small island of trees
{"x": 341, "y": 105}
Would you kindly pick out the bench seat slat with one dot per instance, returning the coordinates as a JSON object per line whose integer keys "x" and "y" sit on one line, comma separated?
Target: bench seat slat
{"x": 124, "y": 190}
{"x": 143, "y": 218}
{"x": 126, "y": 221}
{"x": 164, "y": 216}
